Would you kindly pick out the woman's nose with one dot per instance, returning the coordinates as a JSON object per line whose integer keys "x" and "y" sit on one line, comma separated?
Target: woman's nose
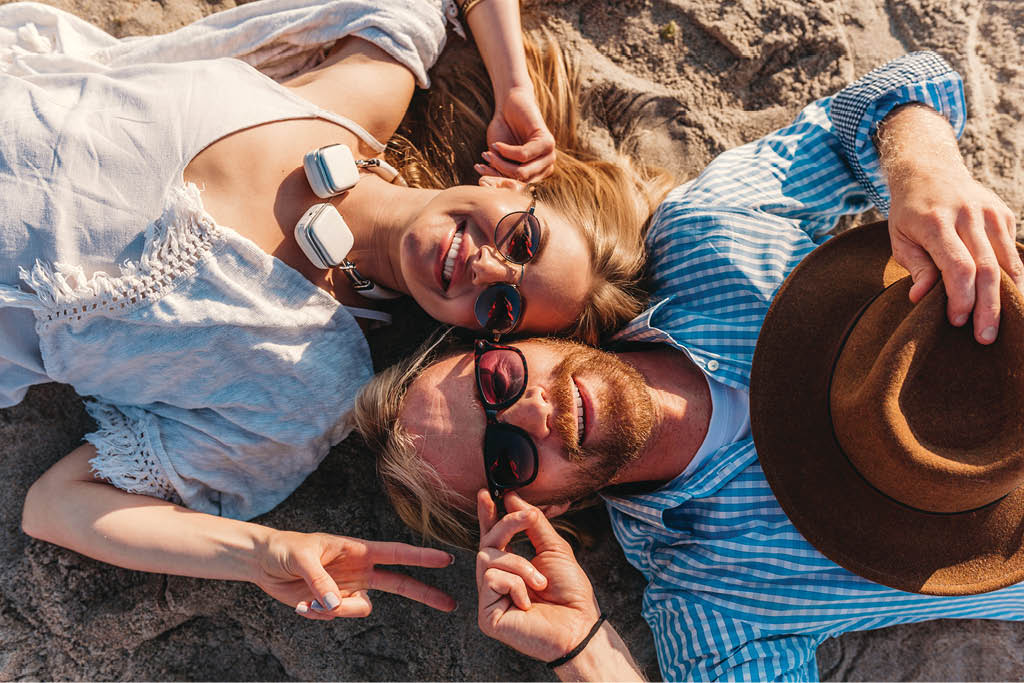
{"x": 533, "y": 412}
{"x": 489, "y": 267}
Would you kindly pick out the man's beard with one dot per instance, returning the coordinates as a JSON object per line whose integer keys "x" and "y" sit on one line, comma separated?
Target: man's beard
{"x": 623, "y": 409}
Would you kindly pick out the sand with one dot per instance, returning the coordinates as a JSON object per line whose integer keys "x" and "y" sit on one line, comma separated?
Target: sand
{"x": 677, "y": 81}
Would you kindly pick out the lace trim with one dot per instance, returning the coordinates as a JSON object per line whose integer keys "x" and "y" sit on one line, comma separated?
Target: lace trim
{"x": 174, "y": 243}
{"x": 123, "y": 457}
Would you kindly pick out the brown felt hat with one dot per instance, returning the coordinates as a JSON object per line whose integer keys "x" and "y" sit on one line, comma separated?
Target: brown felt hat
{"x": 893, "y": 440}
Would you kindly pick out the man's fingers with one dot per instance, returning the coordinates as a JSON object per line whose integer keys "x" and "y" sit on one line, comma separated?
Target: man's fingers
{"x": 408, "y": 587}
{"x": 946, "y": 248}
{"x": 916, "y": 260}
{"x": 1005, "y": 246}
{"x": 386, "y": 552}
{"x": 511, "y": 563}
{"x": 539, "y": 529}
{"x": 505, "y": 529}
{"x": 971, "y": 228}
{"x": 486, "y": 511}
{"x": 501, "y": 583}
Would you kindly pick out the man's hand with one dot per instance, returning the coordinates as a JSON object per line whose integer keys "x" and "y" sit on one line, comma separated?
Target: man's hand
{"x": 325, "y": 576}
{"x": 520, "y": 144}
{"x": 542, "y": 607}
{"x": 943, "y": 223}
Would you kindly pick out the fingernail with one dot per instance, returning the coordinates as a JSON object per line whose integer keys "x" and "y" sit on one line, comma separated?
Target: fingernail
{"x": 539, "y": 579}
{"x": 486, "y": 156}
{"x": 960, "y": 320}
{"x": 456, "y": 608}
{"x": 988, "y": 334}
{"x": 302, "y": 608}
{"x": 451, "y": 559}
{"x": 480, "y": 168}
{"x": 316, "y": 606}
{"x": 332, "y": 600}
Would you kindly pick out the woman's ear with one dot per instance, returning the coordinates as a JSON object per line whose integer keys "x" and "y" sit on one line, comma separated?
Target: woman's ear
{"x": 504, "y": 183}
{"x": 554, "y": 510}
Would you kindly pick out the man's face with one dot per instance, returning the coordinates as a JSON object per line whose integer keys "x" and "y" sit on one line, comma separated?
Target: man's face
{"x": 443, "y": 409}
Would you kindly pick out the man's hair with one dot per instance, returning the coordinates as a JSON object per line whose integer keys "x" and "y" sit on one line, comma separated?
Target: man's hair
{"x": 609, "y": 199}
{"x": 420, "y": 497}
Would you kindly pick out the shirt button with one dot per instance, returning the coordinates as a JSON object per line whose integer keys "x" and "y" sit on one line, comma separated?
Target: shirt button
{"x": 712, "y": 365}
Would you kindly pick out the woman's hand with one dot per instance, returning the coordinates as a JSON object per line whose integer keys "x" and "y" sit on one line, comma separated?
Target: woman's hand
{"x": 520, "y": 144}
{"x": 325, "y": 576}
{"x": 542, "y": 607}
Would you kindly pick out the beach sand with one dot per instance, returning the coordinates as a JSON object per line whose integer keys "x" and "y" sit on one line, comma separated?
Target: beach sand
{"x": 676, "y": 81}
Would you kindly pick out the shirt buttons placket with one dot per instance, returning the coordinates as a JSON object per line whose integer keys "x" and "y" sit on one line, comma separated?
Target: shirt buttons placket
{"x": 712, "y": 365}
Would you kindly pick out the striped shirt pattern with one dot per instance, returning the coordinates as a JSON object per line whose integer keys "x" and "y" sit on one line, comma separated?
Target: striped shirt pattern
{"x": 734, "y": 591}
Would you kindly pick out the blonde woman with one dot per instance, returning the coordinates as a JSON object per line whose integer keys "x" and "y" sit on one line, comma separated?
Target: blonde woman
{"x": 147, "y": 258}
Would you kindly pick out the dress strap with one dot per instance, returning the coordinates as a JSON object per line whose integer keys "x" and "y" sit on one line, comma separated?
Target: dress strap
{"x": 354, "y": 128}
{"x": 369, "y": 314}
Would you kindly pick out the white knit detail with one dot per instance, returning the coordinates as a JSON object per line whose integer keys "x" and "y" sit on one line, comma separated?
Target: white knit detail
{"x": 174, "y": 244}
{"x": 123, "y": 456}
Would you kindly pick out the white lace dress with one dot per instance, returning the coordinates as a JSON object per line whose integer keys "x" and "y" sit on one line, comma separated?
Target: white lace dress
{"x": 219, "y": 376}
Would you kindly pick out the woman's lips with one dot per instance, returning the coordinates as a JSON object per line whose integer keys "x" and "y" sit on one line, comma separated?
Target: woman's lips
{"x": 442, "y": 253}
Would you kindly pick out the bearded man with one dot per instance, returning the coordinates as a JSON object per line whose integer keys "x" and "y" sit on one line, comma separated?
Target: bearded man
{"x": 889, "y": 485}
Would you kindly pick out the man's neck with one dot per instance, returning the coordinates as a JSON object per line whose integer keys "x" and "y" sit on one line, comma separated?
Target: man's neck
{"x": 682, "y": 412}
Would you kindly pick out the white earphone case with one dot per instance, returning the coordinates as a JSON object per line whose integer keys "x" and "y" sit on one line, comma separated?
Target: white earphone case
{"x": 323, "y": 236}
{"x": 330, "y": 170}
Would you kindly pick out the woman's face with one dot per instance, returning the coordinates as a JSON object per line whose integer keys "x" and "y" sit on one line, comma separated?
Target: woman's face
{"x": 448, "y": 258}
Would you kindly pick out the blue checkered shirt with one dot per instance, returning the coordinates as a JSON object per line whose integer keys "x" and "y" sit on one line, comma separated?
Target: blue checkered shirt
{"x": 734, "y": 591}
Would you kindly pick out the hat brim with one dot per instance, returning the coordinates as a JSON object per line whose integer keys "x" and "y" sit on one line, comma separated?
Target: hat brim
{"x": 828, "y": 501}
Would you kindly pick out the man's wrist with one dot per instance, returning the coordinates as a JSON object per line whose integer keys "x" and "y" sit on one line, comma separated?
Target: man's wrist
{"x": 605, "y": 658}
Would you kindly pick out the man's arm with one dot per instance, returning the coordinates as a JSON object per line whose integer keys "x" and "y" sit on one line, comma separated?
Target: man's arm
{"x": 544, "y": 607}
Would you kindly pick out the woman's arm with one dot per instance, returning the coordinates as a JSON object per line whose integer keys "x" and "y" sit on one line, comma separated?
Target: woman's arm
{"x": 68, "y": 506}
{"x": 520, "y": 144}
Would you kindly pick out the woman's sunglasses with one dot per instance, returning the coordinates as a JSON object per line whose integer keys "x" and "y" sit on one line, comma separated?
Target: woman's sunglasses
{"x": 510, "y": 456}
{"x": 499, "y": 308}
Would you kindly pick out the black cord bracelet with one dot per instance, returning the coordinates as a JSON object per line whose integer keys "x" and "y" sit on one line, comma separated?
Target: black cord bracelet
{"x": 579, "y": 648}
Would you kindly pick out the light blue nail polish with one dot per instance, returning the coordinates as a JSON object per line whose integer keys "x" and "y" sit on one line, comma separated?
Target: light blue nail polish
{"x": 332, "y": 600}
{"x": 988, "y": 334}
{"x": 301, "y": 608}
{"x": 960, "y": 320}
{"x": 317, "y": 607}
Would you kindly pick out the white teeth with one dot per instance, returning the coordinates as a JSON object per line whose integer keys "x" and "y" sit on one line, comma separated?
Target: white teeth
{"x": 449, "y": 261}
{"x": 579, "y": 411}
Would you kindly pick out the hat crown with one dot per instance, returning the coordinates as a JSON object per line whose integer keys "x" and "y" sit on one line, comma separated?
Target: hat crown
{"x": 924, "y": 413}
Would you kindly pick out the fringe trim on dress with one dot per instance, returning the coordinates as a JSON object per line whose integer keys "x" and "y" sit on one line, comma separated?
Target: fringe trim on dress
{"x": 174, "y": 244}
{"x": 123, "y": 456}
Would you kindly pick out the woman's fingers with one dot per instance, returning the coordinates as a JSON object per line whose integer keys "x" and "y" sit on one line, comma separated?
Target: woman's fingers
{"x": 408, "y": 587}
{"x": 534, "y": 148}
{"x": 356, "y": 605}
{"x": 386, "y": 552}
{"x": 486, "y": 511}
{"x": 320, "y": 583}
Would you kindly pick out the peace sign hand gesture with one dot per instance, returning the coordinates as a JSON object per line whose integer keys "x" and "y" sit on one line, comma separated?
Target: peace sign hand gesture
{"x": 325, "y": 576}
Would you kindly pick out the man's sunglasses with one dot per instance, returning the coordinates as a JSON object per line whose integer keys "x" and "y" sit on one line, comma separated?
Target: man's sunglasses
{"x": 510, "y": 456}
{"x": 499, "y": 308}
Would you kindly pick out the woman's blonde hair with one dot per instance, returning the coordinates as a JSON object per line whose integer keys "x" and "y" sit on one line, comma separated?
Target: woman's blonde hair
{"x": 609, "y": 199}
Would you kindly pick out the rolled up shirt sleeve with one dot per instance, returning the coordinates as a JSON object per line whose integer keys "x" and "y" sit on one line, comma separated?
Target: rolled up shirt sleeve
{"x": 856, "y": 111}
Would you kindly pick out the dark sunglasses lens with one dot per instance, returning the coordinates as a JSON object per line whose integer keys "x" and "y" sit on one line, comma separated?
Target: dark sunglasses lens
{"x": 498, "y": 308}
{"x": 502, "y": 376}
{"x": 518, "y": 236}
{"x": 509, "y": 457}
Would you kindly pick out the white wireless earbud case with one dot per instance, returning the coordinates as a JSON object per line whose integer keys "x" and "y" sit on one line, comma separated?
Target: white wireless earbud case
{"x": 330, "y": 170}
{"x": 323, "y": 236}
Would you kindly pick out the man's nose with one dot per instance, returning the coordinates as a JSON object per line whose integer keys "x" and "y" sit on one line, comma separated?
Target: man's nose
{"x": 489, "y": 267}
{"x": 533, "y": 412}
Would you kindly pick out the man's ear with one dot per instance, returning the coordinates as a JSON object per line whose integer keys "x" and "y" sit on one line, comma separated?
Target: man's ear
{"x": 554, "y": 510}
{"x": 504, "y": 183}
